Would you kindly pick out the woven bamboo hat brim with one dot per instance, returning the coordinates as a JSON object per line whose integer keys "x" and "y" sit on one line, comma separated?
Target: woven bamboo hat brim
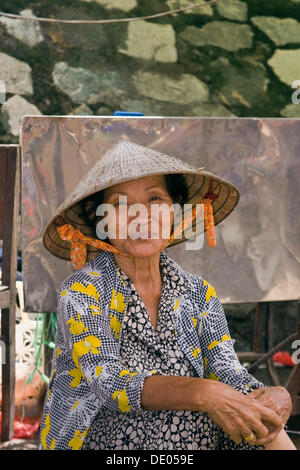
{"x": 127, "y": 161}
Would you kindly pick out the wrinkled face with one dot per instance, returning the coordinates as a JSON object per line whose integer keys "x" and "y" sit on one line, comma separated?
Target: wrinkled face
{"x": 148, "y": 229}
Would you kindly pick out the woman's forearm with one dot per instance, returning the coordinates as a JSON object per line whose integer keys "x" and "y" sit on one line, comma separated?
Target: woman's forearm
{"x": 166, "y": 392}
{"x": 237, "y": 414}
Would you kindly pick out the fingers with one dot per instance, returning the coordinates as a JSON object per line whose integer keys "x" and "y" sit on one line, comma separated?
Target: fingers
{"x": 235, "y": 435}
{"x": 270, "y": 402}
{"x": 227, "y": 425}
{"x": 233, "y": 425}
{"x": 277, "y": 398}
{"x": 251, "y": 416}
{"x": 265, "y": 432}
{"x": 257, "y": 393}
{"x": 269, "y": 415}
{"x": 242, "y": 433}
{"x": 271, "y": 436}
{"x": 245, "y": 433}
{"x": 250, "y": 425}
{"x": 259, "y": 429}
{"x": 250, "y": 439}
{"x": 239, "y": 431}
{"x": 245, "y": 419}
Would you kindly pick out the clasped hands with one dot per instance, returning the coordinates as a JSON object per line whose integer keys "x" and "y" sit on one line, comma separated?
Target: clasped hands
{"x": 277, "y": 399}
{"x": 256, "y": 418}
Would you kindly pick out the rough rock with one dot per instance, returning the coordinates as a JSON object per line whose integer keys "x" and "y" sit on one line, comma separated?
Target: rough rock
{"x": 82, "y": 110}
{"x": 210, "y": 110}
{"x": 286, "y": 65}
{"x": 26, "y": 31}
{"x": 150, "y": 41}
{"x": 85, "y": 86}
{"x": 13, "y": 110}
{"x": 244, "y": 85}
{"x": 224, "y": 34}
{"x": 291, "y": 110}
{"x": 104, "y": 111}
{"x": 280, "y": 30}
{"x": 185, "y": 89}
{"x": 125, "y": 5}
{"x": 16, "y": 75}
{"x": 233, "y": 10}
{"x": 90, "y": 43}
{"x": 176, "y": 4}
{"x": 143, "y": 106}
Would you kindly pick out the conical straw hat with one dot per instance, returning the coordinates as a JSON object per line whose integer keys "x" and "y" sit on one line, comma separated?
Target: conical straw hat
{"x": 127, "y": 161}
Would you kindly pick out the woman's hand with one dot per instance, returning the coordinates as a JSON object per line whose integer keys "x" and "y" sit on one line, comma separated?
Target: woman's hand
{"x": 279, "y": 400}
{"x": 237, "y": 414}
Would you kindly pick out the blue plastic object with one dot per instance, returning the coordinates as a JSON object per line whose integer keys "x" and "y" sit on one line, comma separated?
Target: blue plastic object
{"x": 127, "y": 113}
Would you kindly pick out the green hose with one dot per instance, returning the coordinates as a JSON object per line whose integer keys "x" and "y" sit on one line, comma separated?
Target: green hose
{"x": 43, "y": 335}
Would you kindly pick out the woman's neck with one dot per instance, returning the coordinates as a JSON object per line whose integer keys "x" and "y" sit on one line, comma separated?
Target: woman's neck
{"x": 143, "y": 272}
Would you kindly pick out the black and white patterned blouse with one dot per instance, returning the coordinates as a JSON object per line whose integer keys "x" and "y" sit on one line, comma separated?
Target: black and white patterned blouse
{"x": 106, "y": 347}
{"x": 143, "y": 346}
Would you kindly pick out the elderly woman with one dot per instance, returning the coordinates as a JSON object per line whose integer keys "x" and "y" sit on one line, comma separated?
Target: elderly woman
{"x": 144, "y": 358}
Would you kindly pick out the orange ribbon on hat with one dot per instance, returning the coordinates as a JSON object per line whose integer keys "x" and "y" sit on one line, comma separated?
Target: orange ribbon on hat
{"x": 209, "y": 224}
{"x": 79, "y": 241}
{"x": 78, "y": 244}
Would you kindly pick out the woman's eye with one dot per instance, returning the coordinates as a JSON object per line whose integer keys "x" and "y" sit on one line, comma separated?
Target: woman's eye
{"x": 153, "y": 198}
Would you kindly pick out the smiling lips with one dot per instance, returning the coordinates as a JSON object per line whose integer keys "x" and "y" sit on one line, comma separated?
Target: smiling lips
{"x": 146, "y": 235}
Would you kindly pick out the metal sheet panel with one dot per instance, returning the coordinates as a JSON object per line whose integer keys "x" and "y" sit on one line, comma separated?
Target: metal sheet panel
{"x": 257, "y": 257}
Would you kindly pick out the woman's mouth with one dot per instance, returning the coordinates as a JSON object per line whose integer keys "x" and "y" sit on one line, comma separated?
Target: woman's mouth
{"x": 145, "y": 235}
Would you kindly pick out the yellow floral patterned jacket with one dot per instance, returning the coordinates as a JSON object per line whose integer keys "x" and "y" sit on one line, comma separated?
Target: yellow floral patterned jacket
{"x": 87, "y": 370}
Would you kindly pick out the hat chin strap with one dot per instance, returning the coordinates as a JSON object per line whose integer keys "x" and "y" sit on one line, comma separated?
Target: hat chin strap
{"x": 79, "y": 241}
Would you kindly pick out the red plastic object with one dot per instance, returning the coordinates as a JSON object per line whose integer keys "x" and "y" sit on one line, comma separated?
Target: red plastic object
{"x": 284, "y": 358}
{"x": 25, "y": 428}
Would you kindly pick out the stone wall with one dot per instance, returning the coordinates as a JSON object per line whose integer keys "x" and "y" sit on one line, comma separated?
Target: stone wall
{"x": 233, "y": 58}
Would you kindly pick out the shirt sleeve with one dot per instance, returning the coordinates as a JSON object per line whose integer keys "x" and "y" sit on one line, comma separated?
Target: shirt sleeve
{"x": 220, "y": 359}
{"x": 89, "y": 336}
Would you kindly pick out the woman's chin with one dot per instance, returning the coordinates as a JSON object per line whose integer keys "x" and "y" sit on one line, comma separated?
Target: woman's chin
{"x": 143, "y": 248}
